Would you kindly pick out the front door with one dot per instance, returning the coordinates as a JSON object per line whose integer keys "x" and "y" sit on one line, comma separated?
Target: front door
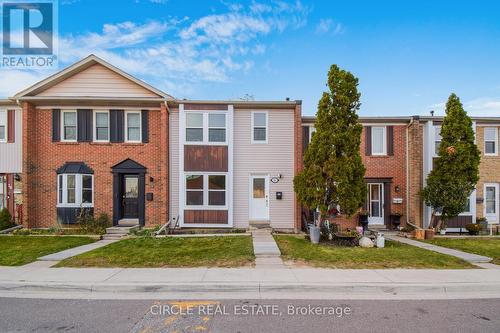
{"x": 259, "y": 197}
{"x": 130, "y": 197}
{"x": 376, "y": 203}
{"x": 491, "y": 206}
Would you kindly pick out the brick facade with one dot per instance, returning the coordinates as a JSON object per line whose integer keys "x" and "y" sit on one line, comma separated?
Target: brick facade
{"x": 415, "y": 171}
{"x": 42, "y": 157}
{"x": 489, "y": 169}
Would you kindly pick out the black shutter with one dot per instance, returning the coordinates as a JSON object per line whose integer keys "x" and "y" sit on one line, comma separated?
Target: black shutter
{"x": 390, "y": 140}
{"x": 116, "y": 122}
{"x": 56, "y": 125}
{"x": 145, "y": 125}
{"x": 305, "y": 138}
{"x": 368, "y": 140}
{"x": 84, "y": 123}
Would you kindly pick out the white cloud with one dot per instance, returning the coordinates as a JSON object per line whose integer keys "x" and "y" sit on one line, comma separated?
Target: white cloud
{"x": 329, "y": 25}
{"x": 13, "y": 81}
{"x": 479, "y": 107}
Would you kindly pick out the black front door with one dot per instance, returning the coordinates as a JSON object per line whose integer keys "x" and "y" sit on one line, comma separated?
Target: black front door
{"x": 130, "y": 197}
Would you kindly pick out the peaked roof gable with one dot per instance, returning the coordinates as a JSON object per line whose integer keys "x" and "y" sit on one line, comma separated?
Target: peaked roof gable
{"x": 86, "y": 65}
{"x": 128, "y": 165}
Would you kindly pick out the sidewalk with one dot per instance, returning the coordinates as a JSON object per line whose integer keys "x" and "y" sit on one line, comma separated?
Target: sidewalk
{"x": 219, "y": 283}
{"x": 469, "y": 257}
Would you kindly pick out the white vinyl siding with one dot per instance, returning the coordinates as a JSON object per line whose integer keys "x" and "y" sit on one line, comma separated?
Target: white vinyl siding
{"x": 3, "y": 126}
{"x": 75, "y": 190}
{"x": 379, "y": 140}
{"x": 13, "y": 150}
{"x": 491, "y": 141}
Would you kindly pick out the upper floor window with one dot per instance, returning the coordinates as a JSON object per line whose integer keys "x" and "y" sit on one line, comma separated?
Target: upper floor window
{"x": 437, "y": 139}
{"x": 101, "y": 128}
{"x": 3, "y": 125}
{"x": 75, "y": 190}
{"x": 133, "y": 126}
{"x": 259, "y": 127}
{"x": 491, "y": 141}
{"x": 69, "y": 126}
{"x": 379, "y": 140}
{"x": 206, "y": 127}
{"x": 312, "y": 130}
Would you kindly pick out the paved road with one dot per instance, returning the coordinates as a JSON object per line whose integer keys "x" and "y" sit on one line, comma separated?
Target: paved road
{"x": 45, "y": 315}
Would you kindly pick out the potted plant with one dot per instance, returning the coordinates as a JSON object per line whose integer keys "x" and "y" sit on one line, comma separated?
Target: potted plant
{"x": 396, "y": 219}
{"x": 363, "y": 219}
{"x": 473, "y": 228}
{"x": 482, "y": 222}
{"x": 442, "y": 229}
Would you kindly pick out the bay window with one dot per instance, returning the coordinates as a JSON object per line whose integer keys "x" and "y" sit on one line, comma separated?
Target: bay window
{"x": 75, "y": 190}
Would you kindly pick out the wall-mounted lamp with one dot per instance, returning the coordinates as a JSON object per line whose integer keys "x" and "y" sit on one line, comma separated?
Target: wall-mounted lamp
{"x": 397, "y": 188}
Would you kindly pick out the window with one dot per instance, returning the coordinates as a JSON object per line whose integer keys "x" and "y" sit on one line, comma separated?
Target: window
{"x": 491, "y": 141}
{"x": 101, "y": 130}
{"x": 75, "y": 190}
{"x": 312, "y": 130}
{"x": 3, "y": 125}
{"x": 379, "y": 141}
{"x": 133, "y": 126}
{"x": 69, "y": 125}
{"x": 194, "y": 127}
{"x": 490, "y": 200}
{"x": 216, "y": 127}
{"x": 437, "y": 139}
{"x": 259, "y": 127}
{"x": 206, "y": 190}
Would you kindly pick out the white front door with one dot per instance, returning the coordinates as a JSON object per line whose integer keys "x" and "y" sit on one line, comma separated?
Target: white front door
{"x": 376, "y": 203}
{"x": 259, "y": 197}
{"x": 491, "y": 203}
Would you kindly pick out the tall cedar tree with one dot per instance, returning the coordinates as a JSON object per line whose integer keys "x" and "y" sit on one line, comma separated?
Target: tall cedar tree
{"x": 456, "y": 171}
{"x": 333, "y": 171}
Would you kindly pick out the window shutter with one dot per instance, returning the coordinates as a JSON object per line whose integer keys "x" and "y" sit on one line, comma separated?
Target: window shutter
{"x": 84, "y": 124}
{"x": 11, "y": 126}
{"x": 116, "y": 122}
{"x": 368, "y": 140}
{"x": 305, "y": 138}
{"x": 56, "y": 125}
{"x": 390, "y": 140}
{"x": 145, "y": 125}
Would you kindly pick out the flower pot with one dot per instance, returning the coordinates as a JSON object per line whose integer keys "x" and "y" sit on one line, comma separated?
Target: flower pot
{"x": 314, "y": 234}
{"x": 442, "y": 232}
{"x": 419, "y": 234}
{"x": 429, "y": 234}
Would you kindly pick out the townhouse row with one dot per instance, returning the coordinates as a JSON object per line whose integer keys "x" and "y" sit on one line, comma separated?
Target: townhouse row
{"x": 93, "y": 137}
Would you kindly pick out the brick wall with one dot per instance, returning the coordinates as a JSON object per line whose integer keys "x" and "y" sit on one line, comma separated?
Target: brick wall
{"x": 489, "y": 170}
{"x": 415, "y": 171}
{"x": 42, "y": 157}
{"x": 385, "y": 167}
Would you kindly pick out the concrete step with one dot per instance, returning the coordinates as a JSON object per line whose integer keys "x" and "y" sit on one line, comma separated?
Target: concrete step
{"x": 254, "y": 225}
{"x": 112, "y": 236}
{"x": 128, "y": 222}
{"x": 121, "y": 230}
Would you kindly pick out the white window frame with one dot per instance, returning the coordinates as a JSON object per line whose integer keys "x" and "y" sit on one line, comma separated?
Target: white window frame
{"x": 63, "y": 132}
{"x": 63, "y": 202}
{"x": 436, "y": 134}
{"x": 495, "y": 153}
{"x": 95, "y": 125}
{"x": 205, "y": 128}
{"x": 253, "y": 127}
{"x": 206, "y": 190}
{"x": 140, "y": 126}
{"x": 384, "y": 141}
{"x": 4, "y": 122}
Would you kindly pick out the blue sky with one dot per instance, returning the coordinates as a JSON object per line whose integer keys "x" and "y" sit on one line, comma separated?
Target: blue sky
{"x": 408, "y": 55}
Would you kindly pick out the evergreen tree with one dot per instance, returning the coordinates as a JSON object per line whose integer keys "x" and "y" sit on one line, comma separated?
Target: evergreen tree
{"x": 333, "y": 171}
{"x": 456, "y": 171}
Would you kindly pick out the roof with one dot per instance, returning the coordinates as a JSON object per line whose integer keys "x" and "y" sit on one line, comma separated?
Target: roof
{"x": 238, "y": 103}
{"x": 78, "y": 67}
{"x": 75, "y": 167}
{"x": 403, "y": 119}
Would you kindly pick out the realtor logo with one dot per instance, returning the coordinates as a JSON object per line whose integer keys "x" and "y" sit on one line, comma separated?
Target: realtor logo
{"x": 28, "y": 33}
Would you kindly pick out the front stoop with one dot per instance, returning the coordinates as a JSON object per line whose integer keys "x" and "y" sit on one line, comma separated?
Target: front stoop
{"x": 118, "y": 232}
{"x": 267, "y": 253}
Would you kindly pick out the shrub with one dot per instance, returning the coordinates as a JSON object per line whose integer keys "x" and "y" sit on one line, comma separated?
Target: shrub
{"x": 90, "y": 225}
{"x": 473, "y": 228}
{"x": 5, "y": 219}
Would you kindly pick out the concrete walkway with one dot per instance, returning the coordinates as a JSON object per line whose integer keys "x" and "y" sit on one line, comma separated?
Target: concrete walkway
{"x": 266, "y": 283}
{"x": 469, "y": 257}
{"x": 267, "y": 253}
{"x": 58, "y": 256}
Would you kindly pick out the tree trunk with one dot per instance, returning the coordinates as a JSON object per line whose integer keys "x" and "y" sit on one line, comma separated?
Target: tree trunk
{"x": 433, "y": 216}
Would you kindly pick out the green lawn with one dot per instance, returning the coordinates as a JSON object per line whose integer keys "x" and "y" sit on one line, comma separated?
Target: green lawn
{"x": 169, "y": 252}
{"x": 393, "y": 255}
{"x": 489, "y": 247}
{"x": 20, "y": 250}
